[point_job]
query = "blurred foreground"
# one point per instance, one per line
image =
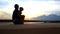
(42, 28)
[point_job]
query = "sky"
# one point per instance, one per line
(32, 8)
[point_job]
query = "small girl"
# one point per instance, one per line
(20, 11)
(21, 16)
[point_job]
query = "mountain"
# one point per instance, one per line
(51, 17)
(4, 15)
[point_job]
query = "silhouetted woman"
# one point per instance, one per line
(15, 14)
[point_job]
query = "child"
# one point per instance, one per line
(21, 16)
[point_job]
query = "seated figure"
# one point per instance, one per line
(21, 17)
(15, 18)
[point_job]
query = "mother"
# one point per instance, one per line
(15, 14)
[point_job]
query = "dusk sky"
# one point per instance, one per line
(32, 8)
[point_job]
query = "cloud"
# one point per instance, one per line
(56, 0)
(3, 3)
(4, 15)
(30, 6)
(45, 0)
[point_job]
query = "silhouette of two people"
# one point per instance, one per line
(17, 17)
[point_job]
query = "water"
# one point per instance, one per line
(24, 23)
(33, 22)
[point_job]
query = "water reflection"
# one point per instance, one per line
(24, 23)
(33, 22)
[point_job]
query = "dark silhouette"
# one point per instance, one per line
(17, 17)
(21, 17)
(15, 14)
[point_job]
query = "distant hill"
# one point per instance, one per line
(4, 15)
(51, 17)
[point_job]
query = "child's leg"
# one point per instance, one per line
(22, 19)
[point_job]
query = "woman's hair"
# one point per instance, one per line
(16, 6)
(21, 9)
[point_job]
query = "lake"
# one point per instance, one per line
(24, 23)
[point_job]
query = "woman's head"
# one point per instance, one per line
(16, 6)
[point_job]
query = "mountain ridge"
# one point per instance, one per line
(51, 17)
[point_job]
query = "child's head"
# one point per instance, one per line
(21, 9)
